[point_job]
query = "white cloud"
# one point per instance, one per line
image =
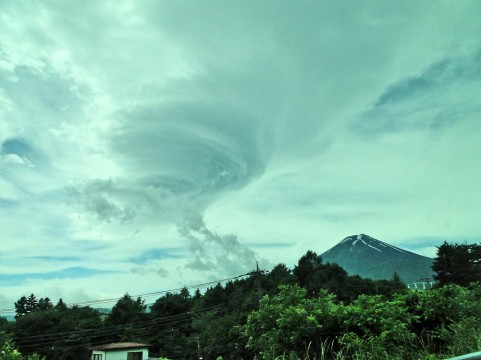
(294, 123)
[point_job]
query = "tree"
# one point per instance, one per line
(127, 310)
(9, 352)
(279, 275)
(197, 294)
(42, 327)
(60, 305)
(306, 266)
(171, 323)
(21, 307)
(291, 325)
(45, 304)
(32, 303)
(457, 264)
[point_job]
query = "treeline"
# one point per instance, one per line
(315, 311)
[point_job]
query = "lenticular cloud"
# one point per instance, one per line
(181, 157)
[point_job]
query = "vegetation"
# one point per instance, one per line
(9, 352)
(457, 264)
(315, 311)
(412, 325)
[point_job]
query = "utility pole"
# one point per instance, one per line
(198, 348)
(257, 275)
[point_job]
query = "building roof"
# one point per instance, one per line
(120, 346)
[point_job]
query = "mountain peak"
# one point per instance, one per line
(363, 240)
(353, 238)
(366, 256)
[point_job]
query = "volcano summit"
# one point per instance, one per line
(371, 258)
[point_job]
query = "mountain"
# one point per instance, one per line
(368, 257)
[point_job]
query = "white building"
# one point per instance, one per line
(121, 351)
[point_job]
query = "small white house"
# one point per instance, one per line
(121, 351)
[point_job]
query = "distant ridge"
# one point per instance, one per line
(371, 258)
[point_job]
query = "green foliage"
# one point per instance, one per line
(125, 313)
(410, 325)
(457, 264)
(315, 311)
(374, 325)
(61, 306)
(307, 268)
(290, 324)
(9, 352)
(41, 326)
(126, 310)
(28, 305)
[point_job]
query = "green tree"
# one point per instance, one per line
(171, 324)
(37, 331)
(290, 324)
(61, 306)
(9, 352)
(444, 309)
(279, 275)
(45, 304)
(457, 264)
(127, 310)
(377, 325)
(307, 265)
(32, 304)
(21, 306)
(397, 283)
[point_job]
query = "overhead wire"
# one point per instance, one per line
(143, 295)
(38, 342)
(45, 342)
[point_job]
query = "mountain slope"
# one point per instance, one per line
(368, 257)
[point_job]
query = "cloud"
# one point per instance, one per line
(67, 273)
(227, 255)
(134, 129)
(163, 273)
(159, 253)
(110, 202)
(442, 95)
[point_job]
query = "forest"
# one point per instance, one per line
(313, 311)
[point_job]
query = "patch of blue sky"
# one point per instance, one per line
(159, 253)
(67, 273)
(56, 258)
(16, 146)
(56, 227)
(5, 203)
(270, 245)
(427, 241)
(85, 245)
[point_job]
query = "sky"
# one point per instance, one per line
(148, 145)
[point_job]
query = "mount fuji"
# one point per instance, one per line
(371, 258)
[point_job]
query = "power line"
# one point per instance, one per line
(88, 337)
(144, 295)
(140, 323)
(45, 342)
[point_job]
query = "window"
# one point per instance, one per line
(97, 357)
(134, 355)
